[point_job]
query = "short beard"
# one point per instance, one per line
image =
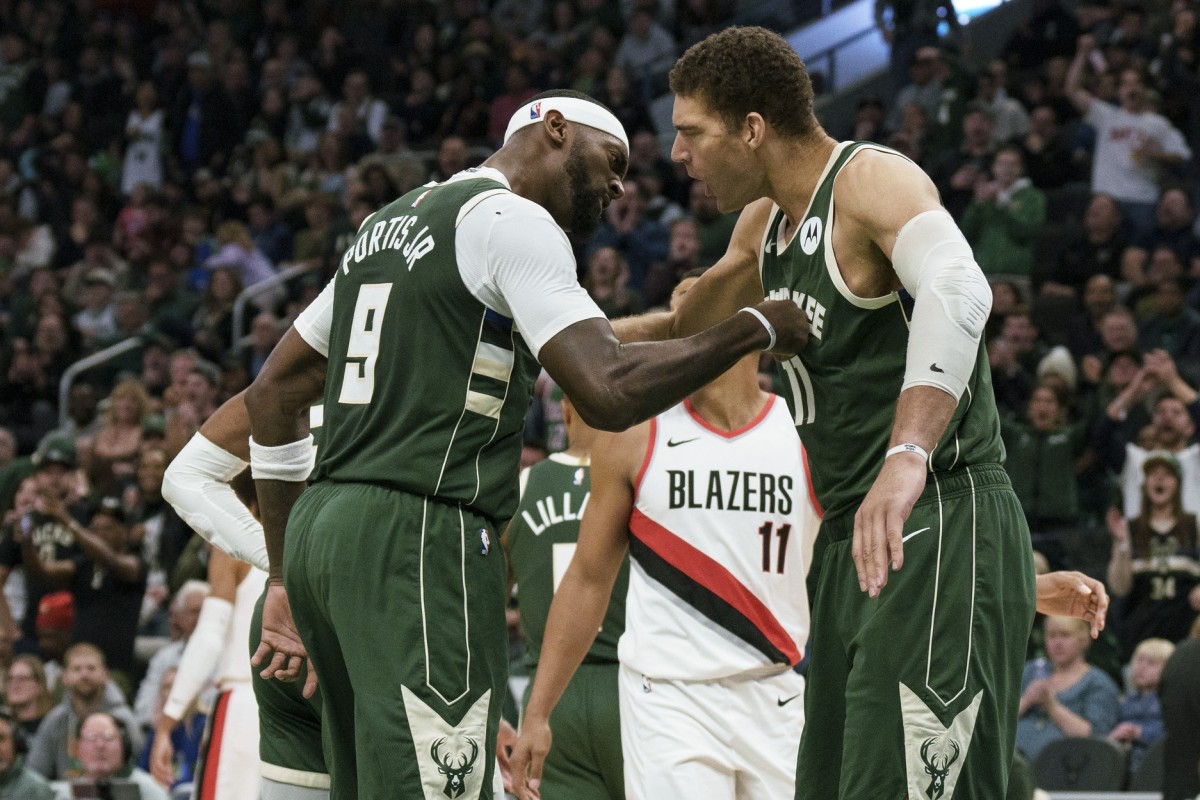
(585, 202)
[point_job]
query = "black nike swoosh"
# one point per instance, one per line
(936, 368)
(673, 443)
(783, 703)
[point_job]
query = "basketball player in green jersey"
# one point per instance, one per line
(433, 328)
(914, 678)
(585, 763)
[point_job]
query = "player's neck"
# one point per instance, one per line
(733, 400)
(583, 455)
(794, 168)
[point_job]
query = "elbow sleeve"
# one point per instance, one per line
(952, 302)
(196, 485)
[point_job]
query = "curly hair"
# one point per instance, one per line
(748, 69)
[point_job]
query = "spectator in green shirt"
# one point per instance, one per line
(1002, 223)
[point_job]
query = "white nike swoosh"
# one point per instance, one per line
(914, 533)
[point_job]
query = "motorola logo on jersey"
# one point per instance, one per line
(810, 235)
(730, 490)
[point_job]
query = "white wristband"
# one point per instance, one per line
(291, 462)
(908, 448)
(767, 325)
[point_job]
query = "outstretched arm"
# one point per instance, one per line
(1080, 97)
(615, 386)
(1073, 594)
(732, 283)
(581, 599)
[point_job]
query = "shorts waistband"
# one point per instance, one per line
(946, 485)
(454, 505)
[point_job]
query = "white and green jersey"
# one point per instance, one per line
(432, 326)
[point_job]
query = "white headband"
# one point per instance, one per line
(582, 111)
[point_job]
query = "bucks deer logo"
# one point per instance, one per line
(452, 762)
(937, 766)
(455, 767)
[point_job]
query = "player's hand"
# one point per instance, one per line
(1073, 594)
(506, 740)
(790, 324)
(525, 763)
(879, 522)
(281, 649)
(162, 757)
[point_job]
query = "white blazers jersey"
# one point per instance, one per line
(721, 537)
(235, 661)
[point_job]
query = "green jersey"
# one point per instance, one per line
(427, 387)
(541, 543)
(842, 389)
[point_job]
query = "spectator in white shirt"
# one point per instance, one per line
(1134, 145)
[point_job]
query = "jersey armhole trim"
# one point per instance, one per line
(831, 265)
(762, 243)
(637, 484)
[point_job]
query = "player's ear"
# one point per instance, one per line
(555, 125)
(754, 130)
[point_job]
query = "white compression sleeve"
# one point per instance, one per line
(201, 655)
(196, 484)
(953, 300)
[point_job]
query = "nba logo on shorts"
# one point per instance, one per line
(485, 542)
(535, 111)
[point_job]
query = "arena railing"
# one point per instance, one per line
(86, 363)
(263, 287)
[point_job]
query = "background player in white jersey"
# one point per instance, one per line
(712, 499)
(230, 766)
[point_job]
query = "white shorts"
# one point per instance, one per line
(711, 740)
(230, 770)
